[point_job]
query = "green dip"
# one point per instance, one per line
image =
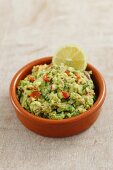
(56, 92)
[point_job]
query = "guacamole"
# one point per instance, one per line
(56, 92)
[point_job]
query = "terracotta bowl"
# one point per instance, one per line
(58, 128)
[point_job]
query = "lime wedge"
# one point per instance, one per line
(71, 56)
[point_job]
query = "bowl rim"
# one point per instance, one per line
(20, 109)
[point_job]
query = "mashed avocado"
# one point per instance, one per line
(56, 92)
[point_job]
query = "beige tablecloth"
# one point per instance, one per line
(30, 29)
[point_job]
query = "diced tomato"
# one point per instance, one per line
(45, 78)
(77, 75)
(31, 79)
(67, 72)
(35, 94)
(65, 94)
